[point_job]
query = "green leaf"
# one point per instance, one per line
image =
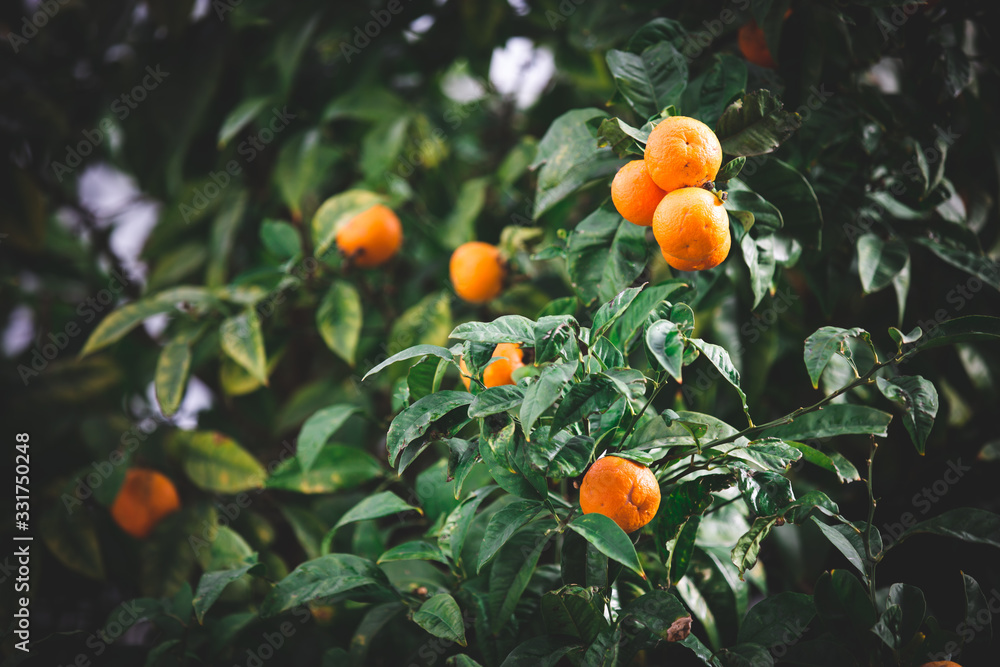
(504, 329)
(755, 124)
(759, 257)
(214, 462)
(823, 344)
(335, 468)
(240, 116)
(784, 186)
(880, 261)
(502, 450)
(609, 312)
(456, 526)
(172, 369)
(569, 158)
(338, 319)
(377, 617)
(745, 552)
(977, 607)
(778, 619)
(665, 343)
(903, 616)
(424, 377)
(303, 164)
(336, 212)
(543, 392)
(840, 541)
(416, 550)
(496, 399)
(72, 539)
(624, 331)
(592, 394)
(552, 334)
(608, 538)
(380, 147)
(375, 506)
(168, 556)
(502, 526)
(544, 651)
(281, 239)
(243, 341)
(512, 571)
(730, 170)
(441, 617)
(967, 524)
(719, 358)
(832, 461)
(122, 320)
(724, 80)
(211, 585)
(604, 255)
(766, 493)
(972, 263)
(841, 599)
(659, 611)
(918, 398)
(652, 80)
(429, 321)
(410, 353)
(970, 329)
(413, 422)
(324, 577)
(460, 226)
(461, 661)
(833, 420)
(763, 214)
(622, 138)
(571, 611)
(768, 453)
(317, 430)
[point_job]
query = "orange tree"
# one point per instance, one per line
(405, 455)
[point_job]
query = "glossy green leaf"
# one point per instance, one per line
(338, 319)
(622, 138)
(410, 353)
(323, 577)
(211, 585)
(719, 357)
(441, 616)
(841, 599)
(243, 341)
(572, 611)
(747, 548)
(608, 538)
(651, 80)
(281, 239)
(215, 462)
(833, 420)
(755, 125)
(413, 422)
(502, 526)
(541, 394)
(496, 399)
(778, 619)
(416, 550)
(171, 377)
(504, 329)
(512, 571)
(592, 394)
(823, 344)
(317, 430)
(918, 398)
(335, 468)
(880, 261)
(665, 343)
(240, 116)
(967, 524)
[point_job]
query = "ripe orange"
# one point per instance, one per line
(511, 357)
(941, 663)
(621, 490)
(144, 499)
(753, 46)
(635, 194)
(682, 153)
(370, 238)
(692, 228)
(477, 271)
(466, 380)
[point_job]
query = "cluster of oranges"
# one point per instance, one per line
(666, 190)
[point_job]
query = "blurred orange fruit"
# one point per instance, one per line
(635, 194)
(477, 271)
(146, 497)
(692, 229)
(621, 490)
(682, 153)
(511, 357)
(371, 238)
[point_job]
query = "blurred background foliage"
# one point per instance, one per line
(108, 198)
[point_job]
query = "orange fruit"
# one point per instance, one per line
(621, 490)
(941, 663)
(682, 153)
(753, 46)
(635, 194)
(477, 271)
(370, 238)
(466, 380)
(692, 229)
(144, 499)
(511, 357)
